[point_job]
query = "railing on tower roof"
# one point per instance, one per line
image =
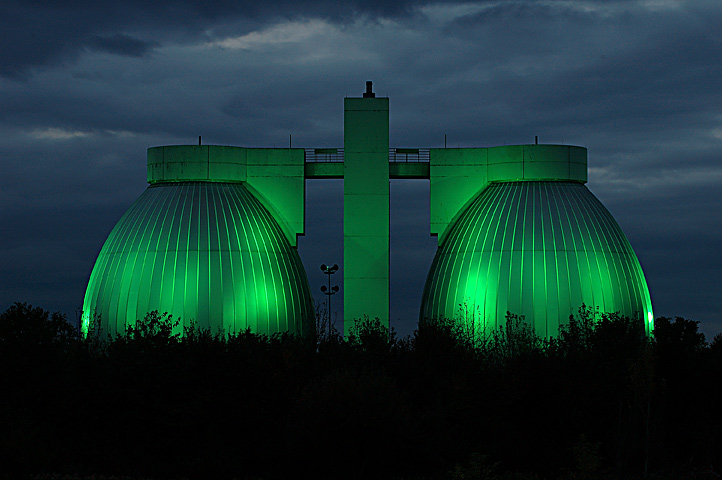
(396, 155)
(324, 155)
(408, 155)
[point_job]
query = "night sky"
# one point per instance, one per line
(87, 86)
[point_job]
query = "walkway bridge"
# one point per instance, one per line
(403, 163)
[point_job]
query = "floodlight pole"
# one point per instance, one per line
(329, 291)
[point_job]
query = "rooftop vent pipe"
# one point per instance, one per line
(369, 90)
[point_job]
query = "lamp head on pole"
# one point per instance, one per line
(329, 270)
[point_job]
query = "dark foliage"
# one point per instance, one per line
(600, 401)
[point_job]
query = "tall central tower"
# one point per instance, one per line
(366, 208)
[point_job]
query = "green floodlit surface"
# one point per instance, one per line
(366, 210)
(457, 174)
(537, 249)
(275, 175)
(205, 252)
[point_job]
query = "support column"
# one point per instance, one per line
(366, 208)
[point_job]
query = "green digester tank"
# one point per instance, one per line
(201, 245)
(527, 238)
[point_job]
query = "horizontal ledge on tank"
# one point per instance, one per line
(508, 163)
(217, 163)
(512, 163)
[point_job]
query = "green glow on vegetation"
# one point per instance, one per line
(537, 249)
(205, 252)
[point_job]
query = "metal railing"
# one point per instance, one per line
(396, 155)
(332, 155)
(408, 155)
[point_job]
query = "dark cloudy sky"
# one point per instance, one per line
(86, 86)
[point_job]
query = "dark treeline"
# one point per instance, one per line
(601, 401)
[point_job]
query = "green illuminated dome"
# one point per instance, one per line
(539, 249)
(202, 251)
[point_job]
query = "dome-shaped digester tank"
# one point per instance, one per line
(207, 252)
(539, 249)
